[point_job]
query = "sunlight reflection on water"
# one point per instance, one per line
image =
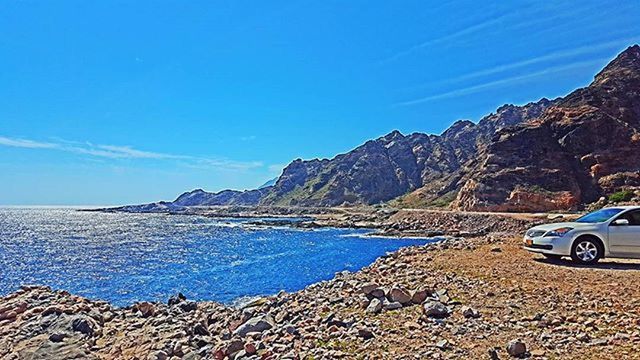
(124, 258)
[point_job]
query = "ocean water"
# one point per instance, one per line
(123, 258)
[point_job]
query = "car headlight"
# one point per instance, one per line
(560, 232)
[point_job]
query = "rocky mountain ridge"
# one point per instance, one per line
(546, 155)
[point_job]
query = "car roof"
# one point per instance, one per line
(626, 207)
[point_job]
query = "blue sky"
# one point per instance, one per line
(113, 102)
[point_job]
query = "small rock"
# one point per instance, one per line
(435, 309)
(419, 296)
(200, 329)
(368, 288)
(496, 249)
(84, 325)
(256, 324)
(146, 309)
(8, 315)
(57, 337)
(493, 354)
(442, 296)
(470, 312)
(516, 348)
(188, 306)
(291, 330)
(392, 306)
(377, 293)
(176, 299)
(375, 306)
(365, 334)
(400, 295)
(583, 337)
(363, 302)
(249, 348)
(234, 346)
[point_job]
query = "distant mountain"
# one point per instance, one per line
(200, 197)
(545, 155)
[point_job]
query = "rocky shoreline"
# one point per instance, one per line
(464, 297)
(382, 221)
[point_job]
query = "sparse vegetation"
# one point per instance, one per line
(538, 189)
(624, 195)
(444, 200)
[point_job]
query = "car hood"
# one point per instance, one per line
(574, 225)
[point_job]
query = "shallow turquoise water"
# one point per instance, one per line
(124, 258)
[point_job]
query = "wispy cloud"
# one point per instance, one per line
(552, 56)
(24, 143)
(127, 152)
(502, 82)
(447, 37)
(552, 14)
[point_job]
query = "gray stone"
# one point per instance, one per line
(375, 306)
(435, 309)
(470, 312)
(84, 325)
(442, 344)
(188, 306)
(256, 324)
(392, 306)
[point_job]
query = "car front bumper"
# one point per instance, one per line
(551, 245)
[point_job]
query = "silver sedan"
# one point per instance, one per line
(609, 232)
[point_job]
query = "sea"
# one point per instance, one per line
(124, 258)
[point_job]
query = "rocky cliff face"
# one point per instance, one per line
(394, 165)
(583, 147)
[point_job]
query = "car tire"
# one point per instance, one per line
(586, 250)
(553, 257)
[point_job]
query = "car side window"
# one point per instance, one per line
(632, 216)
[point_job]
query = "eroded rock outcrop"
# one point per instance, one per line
(583, 147)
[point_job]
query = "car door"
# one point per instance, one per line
(624, 240)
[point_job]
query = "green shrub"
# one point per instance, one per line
(619, 196)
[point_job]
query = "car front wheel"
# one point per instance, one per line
(586, 251)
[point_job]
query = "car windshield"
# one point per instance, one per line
(599, 216)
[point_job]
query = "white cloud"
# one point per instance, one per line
(552, 56)
(128, 152)
(502, 82)
(448, 37)
(24, 143)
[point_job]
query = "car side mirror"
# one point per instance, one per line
(621, 222)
